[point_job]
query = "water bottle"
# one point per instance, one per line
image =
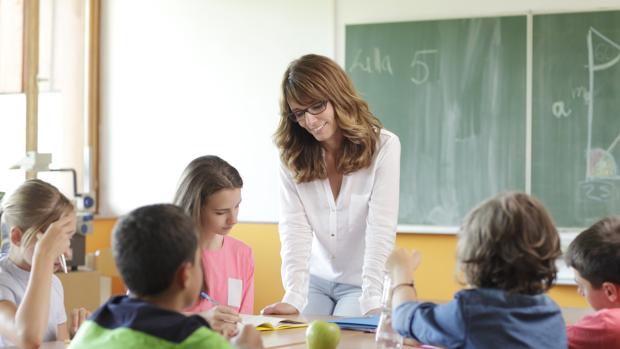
(386, 337)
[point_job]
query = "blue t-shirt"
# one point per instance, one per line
(484, 318)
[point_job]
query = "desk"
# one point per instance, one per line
(289, 338)
(296, 337)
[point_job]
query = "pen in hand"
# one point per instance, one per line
(63, 263)
(205, 295)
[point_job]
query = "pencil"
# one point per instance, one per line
(205, 295)
(63, 263)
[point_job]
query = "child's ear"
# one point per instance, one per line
(612, 291)
(184, 274)
(16, 236)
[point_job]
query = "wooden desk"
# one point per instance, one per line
(47, 345)
(296, 337)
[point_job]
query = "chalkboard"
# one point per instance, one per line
(454, 91)
(576, 115)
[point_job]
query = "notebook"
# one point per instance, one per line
(270, 323)
(365, 323)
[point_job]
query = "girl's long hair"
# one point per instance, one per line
(201, 178)
(32, 207)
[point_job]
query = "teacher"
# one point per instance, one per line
(340, 172)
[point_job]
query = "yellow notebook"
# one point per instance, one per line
(270, 323)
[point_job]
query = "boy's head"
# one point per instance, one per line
(509, 242)
(155, 249)
(595, 257)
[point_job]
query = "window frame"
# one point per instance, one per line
(30, 66)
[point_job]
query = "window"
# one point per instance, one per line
(12, 99)
(56, 109)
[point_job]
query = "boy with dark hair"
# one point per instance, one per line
(595, 257)
(156, 251)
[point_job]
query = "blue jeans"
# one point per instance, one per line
(332, 298)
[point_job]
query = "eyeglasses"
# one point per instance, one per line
(299, 116)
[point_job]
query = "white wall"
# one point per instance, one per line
(184, 78)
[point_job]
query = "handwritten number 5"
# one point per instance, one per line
(421, 71)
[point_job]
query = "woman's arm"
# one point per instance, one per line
(381, 223)
(296, 240)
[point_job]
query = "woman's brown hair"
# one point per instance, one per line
(314, 78)
(509, 242)
(32, 207)
(203, 177)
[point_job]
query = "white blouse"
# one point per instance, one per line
(346, 240)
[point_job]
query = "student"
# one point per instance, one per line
(210, 192)
(155, 250)
(507, 251)
(595, 257)
(339, 177)
(40, 222)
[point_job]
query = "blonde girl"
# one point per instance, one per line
(40, 222)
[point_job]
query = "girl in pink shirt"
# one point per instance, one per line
(210, 192)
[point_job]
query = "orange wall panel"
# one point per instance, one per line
(435, 279)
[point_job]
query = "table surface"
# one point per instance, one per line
(296, 337)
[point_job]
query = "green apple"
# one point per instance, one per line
(322, 335)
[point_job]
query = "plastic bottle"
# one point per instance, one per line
(386, 337)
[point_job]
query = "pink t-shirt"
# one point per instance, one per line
(229, 273)
(599, 330)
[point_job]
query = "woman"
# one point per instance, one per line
(339, 191)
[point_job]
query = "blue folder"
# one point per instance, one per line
(365, 323)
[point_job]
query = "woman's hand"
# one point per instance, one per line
(279, 309)
(248, 338)
(79, 315)
(223, 320)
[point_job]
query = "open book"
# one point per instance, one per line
(270, 323)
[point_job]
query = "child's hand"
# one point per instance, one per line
(223, 320)
(248, 338)
(401, 264)
(57, 238)
(79, 315)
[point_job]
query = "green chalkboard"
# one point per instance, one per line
(576, 115)
(454, 91)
